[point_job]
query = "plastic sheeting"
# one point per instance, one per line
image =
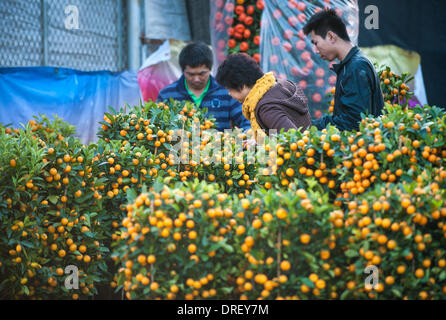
(157, 72)
(80, 98)
(284, 49)
(221, 18)
(289, 54)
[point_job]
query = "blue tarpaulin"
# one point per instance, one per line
(79, 98)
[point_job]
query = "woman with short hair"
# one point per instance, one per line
(268, 103)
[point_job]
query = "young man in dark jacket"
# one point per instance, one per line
(357, 86)
(267, 103)
(197, 85)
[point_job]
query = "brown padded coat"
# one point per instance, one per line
(283, 106)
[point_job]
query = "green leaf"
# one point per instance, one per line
(236, 175)
(310, 258)
(158, 186)
(228, 248)
(270, 242)
(366, 246)
(397, 293)
(406, 252)
(53, 199)
(351, 253)
(103, 267)
(27, 244)
(307, 282)
(89, 234)
(88, 221)
(227, 290)
(344, 294)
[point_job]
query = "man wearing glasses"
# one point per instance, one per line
(199, 86)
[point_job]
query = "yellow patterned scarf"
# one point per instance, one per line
(252, 99)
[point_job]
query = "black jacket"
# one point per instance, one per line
(358, 91)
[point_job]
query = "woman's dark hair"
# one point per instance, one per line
(237, 70)
(324, 21)
(196, 54)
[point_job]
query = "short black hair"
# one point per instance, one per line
(324, 21)
(196, 54)
(237, 70)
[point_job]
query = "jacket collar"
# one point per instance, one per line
(182, 88)
(338, 67)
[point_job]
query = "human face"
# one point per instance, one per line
(325, 47)
(240, 95)
(197, 78)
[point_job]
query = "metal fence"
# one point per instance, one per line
(80, 34)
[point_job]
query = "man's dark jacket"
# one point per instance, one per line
(358, 91)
